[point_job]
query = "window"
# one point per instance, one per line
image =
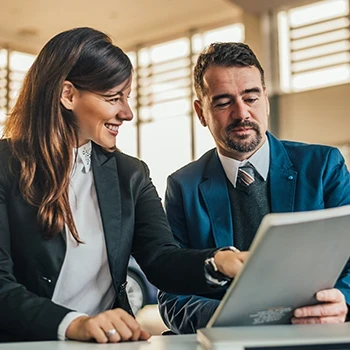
(13, 67)
(314, 45)
(165, 129)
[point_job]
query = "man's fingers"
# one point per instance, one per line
(316, 320)
(321, 310)
(330, 295)
(333, 305)
(332, 310)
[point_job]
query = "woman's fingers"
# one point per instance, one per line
(230, 263)
(109, 326)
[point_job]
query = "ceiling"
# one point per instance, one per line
(28, 24)
(255, 6)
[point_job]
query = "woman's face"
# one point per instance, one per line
(98, 115)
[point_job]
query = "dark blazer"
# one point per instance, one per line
(302, 177)
(134, 223)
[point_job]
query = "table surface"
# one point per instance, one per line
(169, 342)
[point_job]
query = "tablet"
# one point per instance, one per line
(277, 337)
(293, 255)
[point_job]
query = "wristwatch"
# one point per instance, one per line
(214, 276)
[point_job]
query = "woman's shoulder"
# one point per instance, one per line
(124, 160)
(129, 162)
(5, 151)
(126, 157)
(5, 155)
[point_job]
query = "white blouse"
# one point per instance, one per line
(84, 283)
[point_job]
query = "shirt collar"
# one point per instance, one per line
(84, 156)
(260, 161)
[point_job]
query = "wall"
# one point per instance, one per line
(316, 116)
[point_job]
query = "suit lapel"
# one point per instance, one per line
(282, 178)
(106, 180)
(216, 198)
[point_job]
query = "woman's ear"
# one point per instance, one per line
(68, 91)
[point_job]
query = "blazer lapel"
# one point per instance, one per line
(106, 179)
(214, 187)
(282, 178)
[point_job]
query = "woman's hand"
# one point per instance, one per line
(230, 263)
(110, 326)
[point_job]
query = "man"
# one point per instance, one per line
(220, 199)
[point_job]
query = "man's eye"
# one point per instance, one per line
(113, 100)
(222, 104)
(251, 100)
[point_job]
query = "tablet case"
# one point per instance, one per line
(293, 255)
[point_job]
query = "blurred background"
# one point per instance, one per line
(303, 45)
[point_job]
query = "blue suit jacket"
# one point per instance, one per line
(302, 177)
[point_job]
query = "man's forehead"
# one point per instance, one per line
(217, 71)
(223, 78)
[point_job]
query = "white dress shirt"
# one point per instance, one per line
(259, 159)
(84, 283)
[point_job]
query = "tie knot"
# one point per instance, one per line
(246, 174)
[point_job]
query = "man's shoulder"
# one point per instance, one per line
(307, 148)
(196, 167)
(304, 154)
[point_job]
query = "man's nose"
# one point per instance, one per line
(241, 110)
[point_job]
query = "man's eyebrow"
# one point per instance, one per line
(254, 89)
(221, 96)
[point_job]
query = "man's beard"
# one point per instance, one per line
(240, 145)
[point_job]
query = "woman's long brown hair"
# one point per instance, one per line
(42, 133)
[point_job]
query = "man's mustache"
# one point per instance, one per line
(242, 124)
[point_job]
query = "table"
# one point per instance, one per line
(277, 336)
(169, 342)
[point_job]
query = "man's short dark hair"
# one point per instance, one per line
(227, 54)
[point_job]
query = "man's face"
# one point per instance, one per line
(235, 108)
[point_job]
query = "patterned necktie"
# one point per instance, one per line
(246, 175)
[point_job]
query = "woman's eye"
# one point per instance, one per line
(113, 100)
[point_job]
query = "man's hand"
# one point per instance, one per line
(110, 326)
(230, 263)
(332, 310)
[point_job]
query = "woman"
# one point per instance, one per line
(73, 208)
